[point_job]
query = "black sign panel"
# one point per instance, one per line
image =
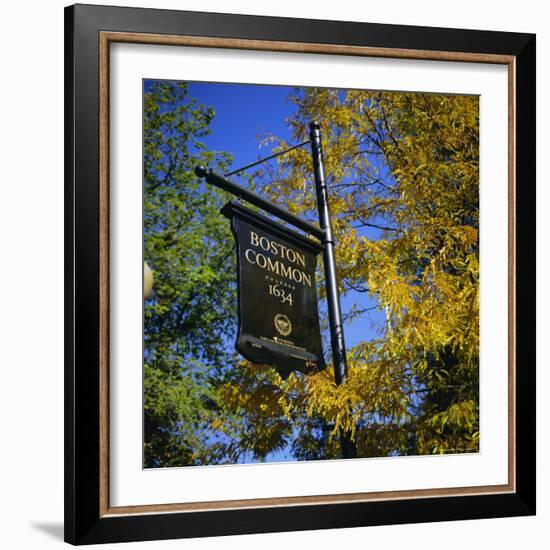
(278, 317)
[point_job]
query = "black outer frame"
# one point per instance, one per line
(83, 524)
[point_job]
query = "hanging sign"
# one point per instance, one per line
(278, 317)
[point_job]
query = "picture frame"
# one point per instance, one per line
(90, 31)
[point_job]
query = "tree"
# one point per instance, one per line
(403, 174)
(190, 319)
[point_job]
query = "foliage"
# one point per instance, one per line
(188, 245)
(403, 174)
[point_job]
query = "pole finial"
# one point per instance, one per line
(200, 171)
(314, 125)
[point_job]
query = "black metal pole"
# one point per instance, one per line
(257, 200)
(333, 296)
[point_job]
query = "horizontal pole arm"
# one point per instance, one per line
(257, 200)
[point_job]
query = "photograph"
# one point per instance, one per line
(238, 344)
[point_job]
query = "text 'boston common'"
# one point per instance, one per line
(277, 266)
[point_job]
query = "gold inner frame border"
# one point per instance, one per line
(105, 40)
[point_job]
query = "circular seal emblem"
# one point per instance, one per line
(282, 324)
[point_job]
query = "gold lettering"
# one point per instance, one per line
(263, 259)
(300, 276)
(291, 255)
(286, 271)
(273, 266)
(277, 249)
